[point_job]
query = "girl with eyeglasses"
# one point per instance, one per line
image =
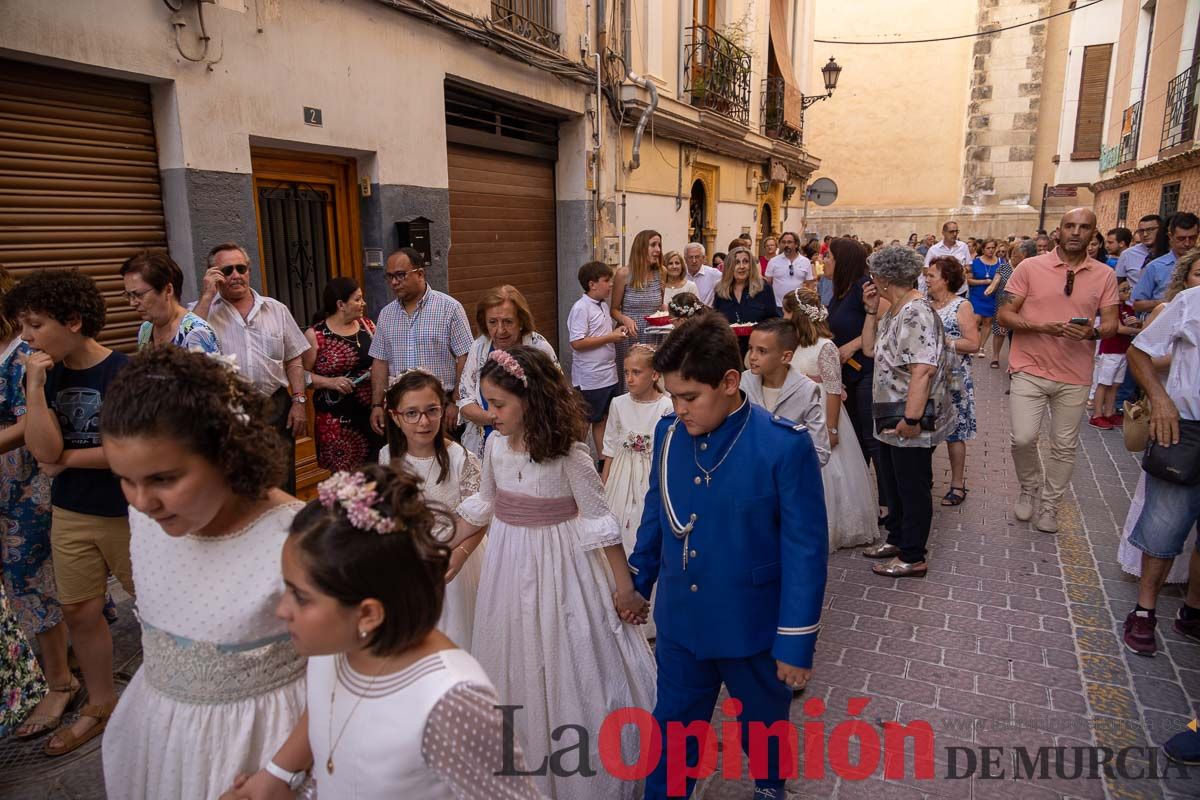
(449, 474)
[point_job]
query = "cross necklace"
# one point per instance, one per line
(708, 473)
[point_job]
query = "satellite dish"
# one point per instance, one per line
(822, 191)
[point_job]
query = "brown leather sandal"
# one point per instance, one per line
(901, 569)
(71, 742)
(40, 724)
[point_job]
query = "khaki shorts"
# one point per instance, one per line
(86, 549)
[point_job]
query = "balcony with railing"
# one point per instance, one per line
(1179, 119)
(717, 73)
(774, 120)
(531, 19)
(1131, 128)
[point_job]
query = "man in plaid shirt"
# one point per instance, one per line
(423, 328)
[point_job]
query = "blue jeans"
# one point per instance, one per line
(1168, 514)
(1128, 390)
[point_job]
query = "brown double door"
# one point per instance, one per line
(502, 230)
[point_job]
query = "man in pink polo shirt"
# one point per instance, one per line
(1052, 357)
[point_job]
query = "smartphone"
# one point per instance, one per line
(1080, 321)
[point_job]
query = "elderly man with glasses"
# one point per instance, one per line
(1050, 304)
(264, 337)
(423, 328)
(948, 246)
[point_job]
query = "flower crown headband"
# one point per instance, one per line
(393, 380)
(684, 311)
(510, 365)
(357, 498)
(816, 313)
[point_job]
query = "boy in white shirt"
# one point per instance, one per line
(593, 342)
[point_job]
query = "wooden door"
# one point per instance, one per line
(307, 233)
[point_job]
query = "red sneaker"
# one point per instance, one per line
(1117, 420)
(1139, 634)
(1102, 423)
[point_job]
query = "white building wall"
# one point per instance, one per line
(1097, 24)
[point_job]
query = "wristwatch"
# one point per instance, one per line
(294, 780)
(300, 398)
(833, 431)
(911, 421)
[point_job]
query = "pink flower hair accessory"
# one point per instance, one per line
(356, 497)
(510, 365)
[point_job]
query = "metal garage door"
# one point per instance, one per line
(79, 182)
(502, 230)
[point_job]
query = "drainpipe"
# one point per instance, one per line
(649, 86)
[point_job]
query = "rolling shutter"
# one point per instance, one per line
(79, 180)
(502, 230)
(1093, 96)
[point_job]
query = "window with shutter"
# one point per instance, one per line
(1093, 96)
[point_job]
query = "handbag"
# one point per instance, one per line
(1137, 425)
(1179, 463)
(889, 415)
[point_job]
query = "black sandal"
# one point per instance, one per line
(995, 365)
(955, 496)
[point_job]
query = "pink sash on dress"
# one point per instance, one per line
(526, 511)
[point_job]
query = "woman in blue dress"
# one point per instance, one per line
(983, 271)
(25, 540)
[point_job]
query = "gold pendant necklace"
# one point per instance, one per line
(332, 694)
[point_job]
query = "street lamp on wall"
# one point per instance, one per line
(830, 73)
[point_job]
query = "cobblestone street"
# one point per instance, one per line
(1012, 639)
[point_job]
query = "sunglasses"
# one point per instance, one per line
(228, 269)
(1070, 286)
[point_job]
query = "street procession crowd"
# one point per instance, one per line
(501, 538)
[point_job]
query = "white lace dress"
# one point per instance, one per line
(462, 481)
(221, 686)
(850, 500)
(546, 631)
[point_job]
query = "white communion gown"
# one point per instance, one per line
(221, 686)
(850, 502)
(462, 481)
(629, 442)
(546, 631)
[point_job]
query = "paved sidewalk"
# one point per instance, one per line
(1012, 640)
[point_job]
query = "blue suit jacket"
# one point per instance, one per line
(756, 567)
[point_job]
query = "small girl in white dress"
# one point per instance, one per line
(850, 501)
(449, 473)
(548, 623)
(221, 685)
(395, 709)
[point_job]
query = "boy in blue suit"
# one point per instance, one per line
(734, 533)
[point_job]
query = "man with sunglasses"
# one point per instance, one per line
(948, 246)
(264, 337)
(422, 329)
(790, 269)
(1050, 304)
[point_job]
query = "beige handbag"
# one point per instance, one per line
(1137, 425)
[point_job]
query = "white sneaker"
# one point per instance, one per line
(1023, 510)
(1047, 521)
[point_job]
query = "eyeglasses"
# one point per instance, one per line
(413, 415)
(398, 276)
(131, 296)
(1070, 287)
(228, 269)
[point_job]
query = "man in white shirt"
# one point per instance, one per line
(1171, 509)
(705, 277)
(949, 246)
(789, 270)
(262, 334)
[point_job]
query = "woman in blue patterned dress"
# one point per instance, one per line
(153, 286)
(637, 292)
(25, 543)
(944, 276)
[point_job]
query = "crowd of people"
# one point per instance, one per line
(500, 538)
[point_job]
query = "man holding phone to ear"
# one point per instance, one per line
(1050, 304)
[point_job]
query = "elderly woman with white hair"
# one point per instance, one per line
(910, 404)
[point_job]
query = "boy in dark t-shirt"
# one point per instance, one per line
(66, 377)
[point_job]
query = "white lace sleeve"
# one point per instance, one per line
(597, 527)
(468, 384)
(830, 365)
(470, 476)
(477, 509)
(463, 743)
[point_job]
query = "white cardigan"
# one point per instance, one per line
(468, 385)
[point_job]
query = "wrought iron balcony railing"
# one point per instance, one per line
(1179, 119)
(1131, 128)
(774, 123)
(532, 19)
(718, 74)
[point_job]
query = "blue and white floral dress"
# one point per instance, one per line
(962, 391)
